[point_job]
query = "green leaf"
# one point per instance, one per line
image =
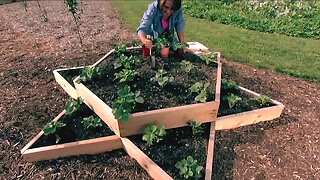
(139, 100)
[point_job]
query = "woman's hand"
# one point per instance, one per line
(148, 43)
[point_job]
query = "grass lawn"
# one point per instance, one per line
(290, 55)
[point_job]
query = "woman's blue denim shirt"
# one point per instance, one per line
(151, 22)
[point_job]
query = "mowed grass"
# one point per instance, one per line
(297, 57)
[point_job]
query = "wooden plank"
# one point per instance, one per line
(40, 133)
(251, 93)
(218, 82)
(169, 117)
(210, 154)
(248, 118)
(109, 53)
(66, 86)
(91, 146)
(103, 58)
(145, 162)
(98, 106)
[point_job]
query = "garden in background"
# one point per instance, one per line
(298, 57)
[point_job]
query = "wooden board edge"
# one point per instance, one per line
(103, 58)
(98, 106)
(68, 68)
(210, 152)
(109, 53)
(250, 117)
(68, 88)
(145, 162)
(169, 117)
(91, 146)
(33, 140)
(247, 91)
(170, 109)
(218, 83)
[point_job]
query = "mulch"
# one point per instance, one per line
(30, 49)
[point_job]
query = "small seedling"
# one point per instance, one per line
(52, 128)
(126, 75)
(161, 77)
(125, 103)
(233, 100)
(179, 46)
(73, 105)
(201, 89)
(125, 62)
(162, 42)
(186, 66)
(189, 168)
(262, 100)
(153, 134)
(209, 58)
(135, 44)
(120, 49)
(91, 122)
(197, 127)
(88, 73)
(229, 85)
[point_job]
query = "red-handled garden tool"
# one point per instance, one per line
(153, 59)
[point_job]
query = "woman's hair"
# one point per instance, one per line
(175, 5)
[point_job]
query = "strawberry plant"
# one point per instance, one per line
(125, 62)
(161, 77)
(201, 89)
(120, 49)
(186, 66)
(135, 44)
(229, 87)
(179, 46)
(197, 127)
(73, 105)
(233, 100)
(153, 133)
(91, 122)
(162, 42)
(52, 128)
(126, 75)
(189, 168)
(209, 58)
(262, 100)
(88, 73)
(125, 103)
(229, 84)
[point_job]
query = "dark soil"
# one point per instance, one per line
(70, 75)
(173, 94)
(286, 148)
(74, 130)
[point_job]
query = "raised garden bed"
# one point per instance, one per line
(171, 105)
(75, 139)
(163, 106)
